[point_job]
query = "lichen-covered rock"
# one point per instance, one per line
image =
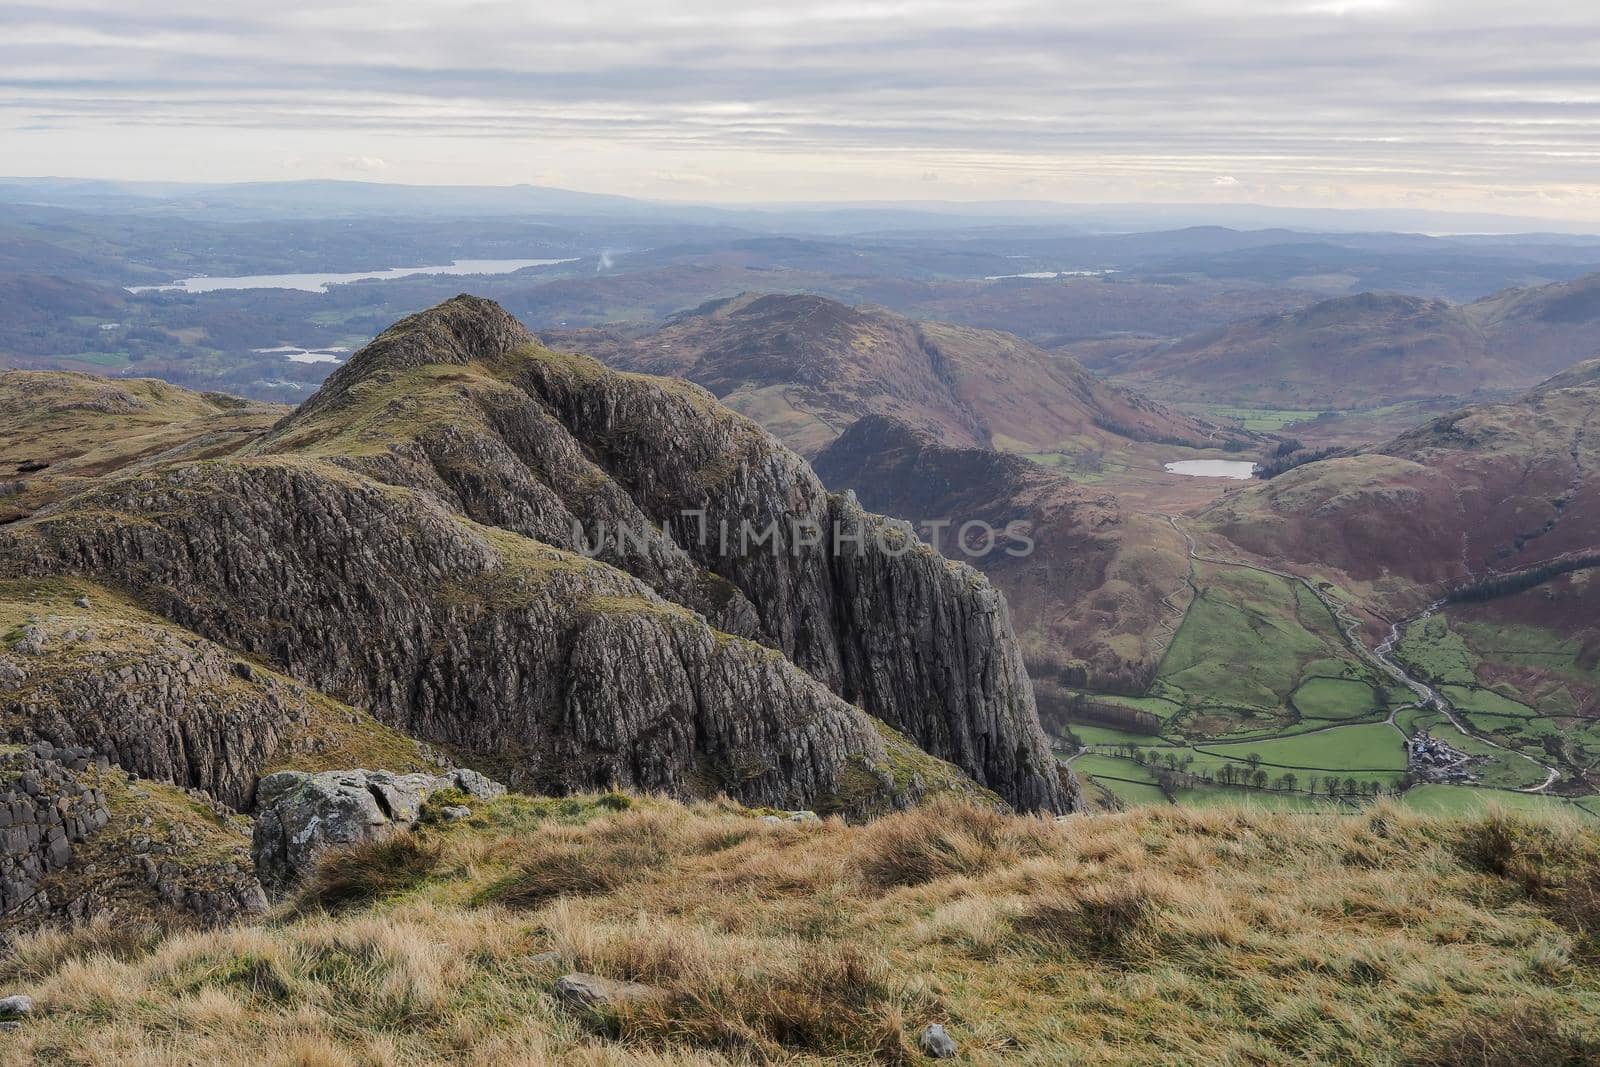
(15, 1006)
(936, 1043)
(591, 992)
(299, 814)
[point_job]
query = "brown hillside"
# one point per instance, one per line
(806, 367)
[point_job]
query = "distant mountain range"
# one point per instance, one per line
(1374, 349)
(327, 198)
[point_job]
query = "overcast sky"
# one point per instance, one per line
(1405, 103)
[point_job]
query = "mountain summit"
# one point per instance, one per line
(415, 545)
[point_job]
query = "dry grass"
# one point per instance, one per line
(1156, 936)
(372, 870)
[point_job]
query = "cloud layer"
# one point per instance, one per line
(1359, 102)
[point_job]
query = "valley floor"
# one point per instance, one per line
(1268, 695)
(1157, 936)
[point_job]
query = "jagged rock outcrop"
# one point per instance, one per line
(752, 539)
(403, 544)
(44, 811)
(161, 702)
(80, 840)
(298, 815)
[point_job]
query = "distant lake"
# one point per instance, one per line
(318, 283)
(1046, 274)
(1239, 470)
(295, 354)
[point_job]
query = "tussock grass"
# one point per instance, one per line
(947, 837)
(372, 870)
(1154, 936)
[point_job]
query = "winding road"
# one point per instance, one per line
(1381, 657)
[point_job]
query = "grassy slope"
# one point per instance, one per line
(74, 427)
(1159, 936)
(1247, 645)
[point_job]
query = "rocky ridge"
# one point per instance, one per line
(405, 557)
(565, 443)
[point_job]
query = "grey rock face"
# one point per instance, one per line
(16, 1005)
(44, 812)
(299, 814)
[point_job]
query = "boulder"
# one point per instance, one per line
(935, 1043)
(300, 814)
(797, 818)
(16, 1006)
(589, 992)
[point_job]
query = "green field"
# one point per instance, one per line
(1515, 731)
(1158, 706)
(1462, 800)
(1093, 734)
(1249, 640)
(1336, 698)
(1129, 782)
(1261, 420)
(1486, 701)
(1367, 748)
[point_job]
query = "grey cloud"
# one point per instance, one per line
(1395, 91)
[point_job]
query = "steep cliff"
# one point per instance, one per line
(461, 403)
(1084, 574)
(405, 554)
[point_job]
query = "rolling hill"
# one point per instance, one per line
(1491, 515)
(1486, 490)
(806, 367)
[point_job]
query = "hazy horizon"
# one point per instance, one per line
(1359, 104)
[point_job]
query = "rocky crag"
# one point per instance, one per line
(428, 553)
